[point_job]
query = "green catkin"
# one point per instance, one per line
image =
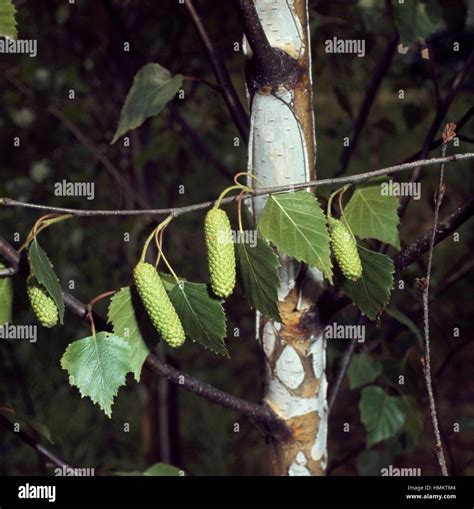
(220, 252)
(158, 305)
(345, 250)
(42, 303)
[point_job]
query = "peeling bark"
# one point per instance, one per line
(282, 151)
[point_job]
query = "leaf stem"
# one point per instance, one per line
(160, 227)
(231, 188)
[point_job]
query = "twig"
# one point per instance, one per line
(259, 413)
(231, 98)
(378, 75)
(177, 211)
(434, 73)
(196, 79)
(447, 226)
(451, 278)
(438, 142)
(40, 449)
(441, 111)
(450, 357)
(199, 142)
(343, 365)
(448, 135)
(332, 301)
(254, 32)
(82, 138)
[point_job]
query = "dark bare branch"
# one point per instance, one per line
(228, 91)
(259, 413)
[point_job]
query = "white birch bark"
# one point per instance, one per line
(282, 152)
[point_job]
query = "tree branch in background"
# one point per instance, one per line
(437, 143)
(378, 75)
(262, 51)
(82, 138)
(452, 277)
(448, 135)
(332, 301)
(40, 449)
(177, 211)
(441, 111)
(447, 226)
(258, 413)
(343, 365)
(199, 142)
(227, 89)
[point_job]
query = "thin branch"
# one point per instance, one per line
(256, 412)
(40, 449)
(439, 451)
(378, 75)
(438, 142)
(434, 73)
(228, 91)
(259, 413)
(332, 301)
(441, 111)
(208, 83)
(447, 226)
(451, 355)
(177, 211)
(451, 278)
(82, 138)
(262, 50)
(199, 142)
(343, 365)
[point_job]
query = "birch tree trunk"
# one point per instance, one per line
(282, 151)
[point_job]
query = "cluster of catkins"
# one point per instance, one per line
(221, 261)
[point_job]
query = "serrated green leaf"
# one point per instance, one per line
(8, 19)
(371, 292)
(153, 87)
(202, 316)
(381, 414)
(43, 270)
(6, 297)
(405, 320)
(258, 272)
(97, 366)
(415, 20)
(296, 225)
(363, 369)
(156, 470)
(371, 215)
(123, 317)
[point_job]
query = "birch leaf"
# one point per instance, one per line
(296, 225)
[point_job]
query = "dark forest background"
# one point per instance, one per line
(191, 143)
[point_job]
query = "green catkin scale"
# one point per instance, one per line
(345, 250)
(42, 303)
(220, 252)
(158, 304)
